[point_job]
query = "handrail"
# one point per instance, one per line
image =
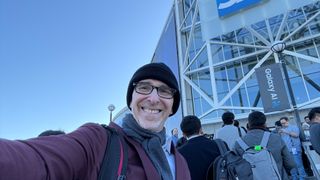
(306, 147)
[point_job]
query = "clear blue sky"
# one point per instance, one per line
(63, 62)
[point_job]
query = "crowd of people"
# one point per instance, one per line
(153, 96)
(284, 142)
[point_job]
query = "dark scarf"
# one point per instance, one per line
(151, 142)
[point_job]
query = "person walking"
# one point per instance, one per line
(199, 151)
(277, 147)
(174, 136)
(314, 116)
(229, 133)
(290, 135)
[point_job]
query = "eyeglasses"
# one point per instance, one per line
(146, 89)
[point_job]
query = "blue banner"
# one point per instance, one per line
(227, 7)
(272, 88)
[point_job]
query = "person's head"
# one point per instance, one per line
(190, 125)
(227, 118)
(284, 121)
(174, 132)
(153, 95)
(277, 124)
(236, 123)
(51, 132)
(314, 115)
(306, 119)
(256, 119)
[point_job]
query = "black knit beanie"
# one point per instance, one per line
(157, 71)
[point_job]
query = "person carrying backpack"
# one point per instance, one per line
(198, 151)
(152, 96)
(278, 150)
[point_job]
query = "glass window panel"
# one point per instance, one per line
(202, 80)
(311, 74)
(253, 92)
(192, 53)
(258, 42)
(295, 19)
(299, 92)
(234, 74)
(197, 106)
(315, 27)
(275, 23)
(205, 82)
(244, 36)
(311, 9)
(240, 111)
(197, 39)
(242, 96)
(309, 67)
(205, 105)
(285, 32)
(239, 98)
(193, 66)
(221, 81)
(295, 13)
(292, 67)
(245, 50)
(248, 64)
(195, 43)
(230, 52)
(229, 37)
(261, 28)
(211, 115)
(217, 53)
(202, 59)
(221, 95)
(313, 83)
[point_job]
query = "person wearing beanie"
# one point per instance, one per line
(152, 96)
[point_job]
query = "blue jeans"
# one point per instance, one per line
(299, 167)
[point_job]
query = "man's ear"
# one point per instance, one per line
(200, 131)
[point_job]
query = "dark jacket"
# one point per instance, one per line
(199, 153)
(275, 145)
(315, 136)
(77, 155)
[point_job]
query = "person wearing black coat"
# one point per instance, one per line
(198, 151)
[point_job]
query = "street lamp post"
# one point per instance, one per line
(278, 47)
(111, 108)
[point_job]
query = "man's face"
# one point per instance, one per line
(306, 119)
(284, 123)
(151, 111)
(316, 118)
(175, 132)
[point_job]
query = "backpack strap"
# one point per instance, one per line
(242, 144)
(239, 132)
(222, 146)
(115, 160)
(263, 143)
(265, 139)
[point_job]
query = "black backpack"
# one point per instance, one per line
(229, 165)
(115, 158)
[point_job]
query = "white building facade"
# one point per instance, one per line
(215, 47)
(222, 43)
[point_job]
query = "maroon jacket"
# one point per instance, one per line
(77, 156)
